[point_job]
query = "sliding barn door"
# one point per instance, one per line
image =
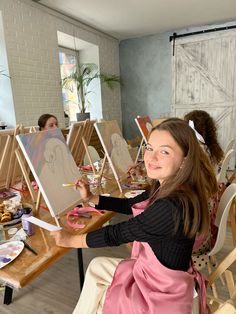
(204, 77)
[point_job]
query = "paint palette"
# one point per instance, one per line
(9, 251)
(133, 193)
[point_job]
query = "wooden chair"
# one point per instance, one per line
(223, 268)
(226, 308)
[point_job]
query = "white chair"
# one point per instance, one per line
(221, 222)
(222, 216)
(93, 155)
(221, 176)
(231, 145)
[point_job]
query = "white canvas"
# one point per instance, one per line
(114, 146)
(52, 164)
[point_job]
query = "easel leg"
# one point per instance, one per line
(8, 295)
(38, 201)
(139, 150)
(89, 157)
(102, 169)
(25, 174)
(81, 267)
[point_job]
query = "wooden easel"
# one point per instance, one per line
(99, 173)
(88, 154)
(4, 165)
(138, 121)
(13, 166)
(114, 126)
(139, 150)
(12, 157)
(25, 174)
(87, 133)
(78, 130)
(74, 138)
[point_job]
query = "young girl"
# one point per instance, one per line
(158, 278)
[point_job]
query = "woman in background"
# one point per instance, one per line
(47, 121)
(206, 127)
(159, 276)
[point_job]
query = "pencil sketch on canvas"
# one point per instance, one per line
(115, 147)
(52, 164)
(145, 126)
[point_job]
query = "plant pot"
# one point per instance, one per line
(81, 116)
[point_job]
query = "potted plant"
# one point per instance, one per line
(83, 77)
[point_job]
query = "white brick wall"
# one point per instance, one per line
(32, 50)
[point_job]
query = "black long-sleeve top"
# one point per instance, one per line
(160, 225)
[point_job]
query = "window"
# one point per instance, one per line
(67, 61)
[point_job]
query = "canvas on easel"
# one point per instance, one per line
(52, 165)
(145, 126)
(115, 147)
(10, 170)
(86, 137)
(74, 138)
(79, 130)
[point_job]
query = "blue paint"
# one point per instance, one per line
(4, 259)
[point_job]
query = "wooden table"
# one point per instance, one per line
(28, 266)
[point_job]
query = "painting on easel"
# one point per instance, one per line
(145, 126)
(52, 165)
(115, 147)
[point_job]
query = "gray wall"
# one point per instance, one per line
(145, 65)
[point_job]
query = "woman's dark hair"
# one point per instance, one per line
(194, 182)
(205, 125)
(43, 120)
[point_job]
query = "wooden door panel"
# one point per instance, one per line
(204, 77)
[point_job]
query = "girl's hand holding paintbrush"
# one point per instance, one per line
(83, 186)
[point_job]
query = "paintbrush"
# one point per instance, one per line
(28, 247)
(69, 184)
(75, 184)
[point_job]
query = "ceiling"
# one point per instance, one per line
(124, 19)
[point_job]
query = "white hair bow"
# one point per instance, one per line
(198, 135)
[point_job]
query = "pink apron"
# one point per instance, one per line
(142, 285)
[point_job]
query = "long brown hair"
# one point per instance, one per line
(193, 184)
(206, 126)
